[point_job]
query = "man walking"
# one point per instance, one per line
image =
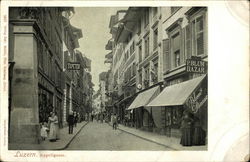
(70, 121)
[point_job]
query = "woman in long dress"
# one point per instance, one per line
(53, 133)
(186, 129)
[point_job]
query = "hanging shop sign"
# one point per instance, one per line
(197, 99)
(73, 66)
(196, 65)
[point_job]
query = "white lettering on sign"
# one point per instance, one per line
(196, 66)
(194, 103)
(73, 66)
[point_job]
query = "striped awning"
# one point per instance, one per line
(176, 94)
(144, 98)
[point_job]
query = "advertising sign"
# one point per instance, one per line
(196, 65)
(73, 66)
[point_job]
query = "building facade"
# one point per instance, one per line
(41, 43)
(166, 48)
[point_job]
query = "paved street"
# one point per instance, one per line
(101, 136)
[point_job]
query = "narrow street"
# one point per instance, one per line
(101, 136)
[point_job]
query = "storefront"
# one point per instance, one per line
(142, 116)
(188, 96)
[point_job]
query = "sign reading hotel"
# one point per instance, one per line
(73, 66)
(196, 65)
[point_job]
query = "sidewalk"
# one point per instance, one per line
(171, 142)
(61, 144)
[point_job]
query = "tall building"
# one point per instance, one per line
(41, 44)
(156, 50)
(71, 35)
(36, 47)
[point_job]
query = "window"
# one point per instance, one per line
(177, 59)
(198, 35)
(146, 42)
(50, 66)
(140, 53)
(155, 38)
(139, 26)
(176, 47)
(140, 76)
(154, 72)
(132, 48)
(133, 69)
(154, 11)
(146, 78)
(146, 17)
(174, 9)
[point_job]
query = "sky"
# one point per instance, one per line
(94, 22)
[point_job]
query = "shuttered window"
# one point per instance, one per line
(146, 42)
(188, 41)
(166, 55)
(155, 38)
(140, 53)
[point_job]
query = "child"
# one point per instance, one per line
(44, 130)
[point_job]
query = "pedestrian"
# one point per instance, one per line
(75, 118)
(199, 133)
(54, 128)
(70, 121)
(92, 117)
(186, 129)
(44, 131)
(114, 121)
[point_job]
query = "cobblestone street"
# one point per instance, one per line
(101, 136)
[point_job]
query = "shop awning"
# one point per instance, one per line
(176, 94)
(144, 98)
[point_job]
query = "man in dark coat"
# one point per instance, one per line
(71, 121)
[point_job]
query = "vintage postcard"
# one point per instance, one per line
(124, 81)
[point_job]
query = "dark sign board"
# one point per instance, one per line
(73, 66)
(198, 98)
(196, 65)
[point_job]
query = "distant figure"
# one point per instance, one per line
(71, 122)
(75, 118)
(114, 121)
(54, 128)
(44, 131)
(92, 117)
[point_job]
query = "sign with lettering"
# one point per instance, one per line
(196, 65)
(73, 66)
(197, 99)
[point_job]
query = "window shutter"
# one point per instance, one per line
(166, 55)
(188, 41)
(182, 57)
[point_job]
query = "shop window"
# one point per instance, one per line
(176, 116)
